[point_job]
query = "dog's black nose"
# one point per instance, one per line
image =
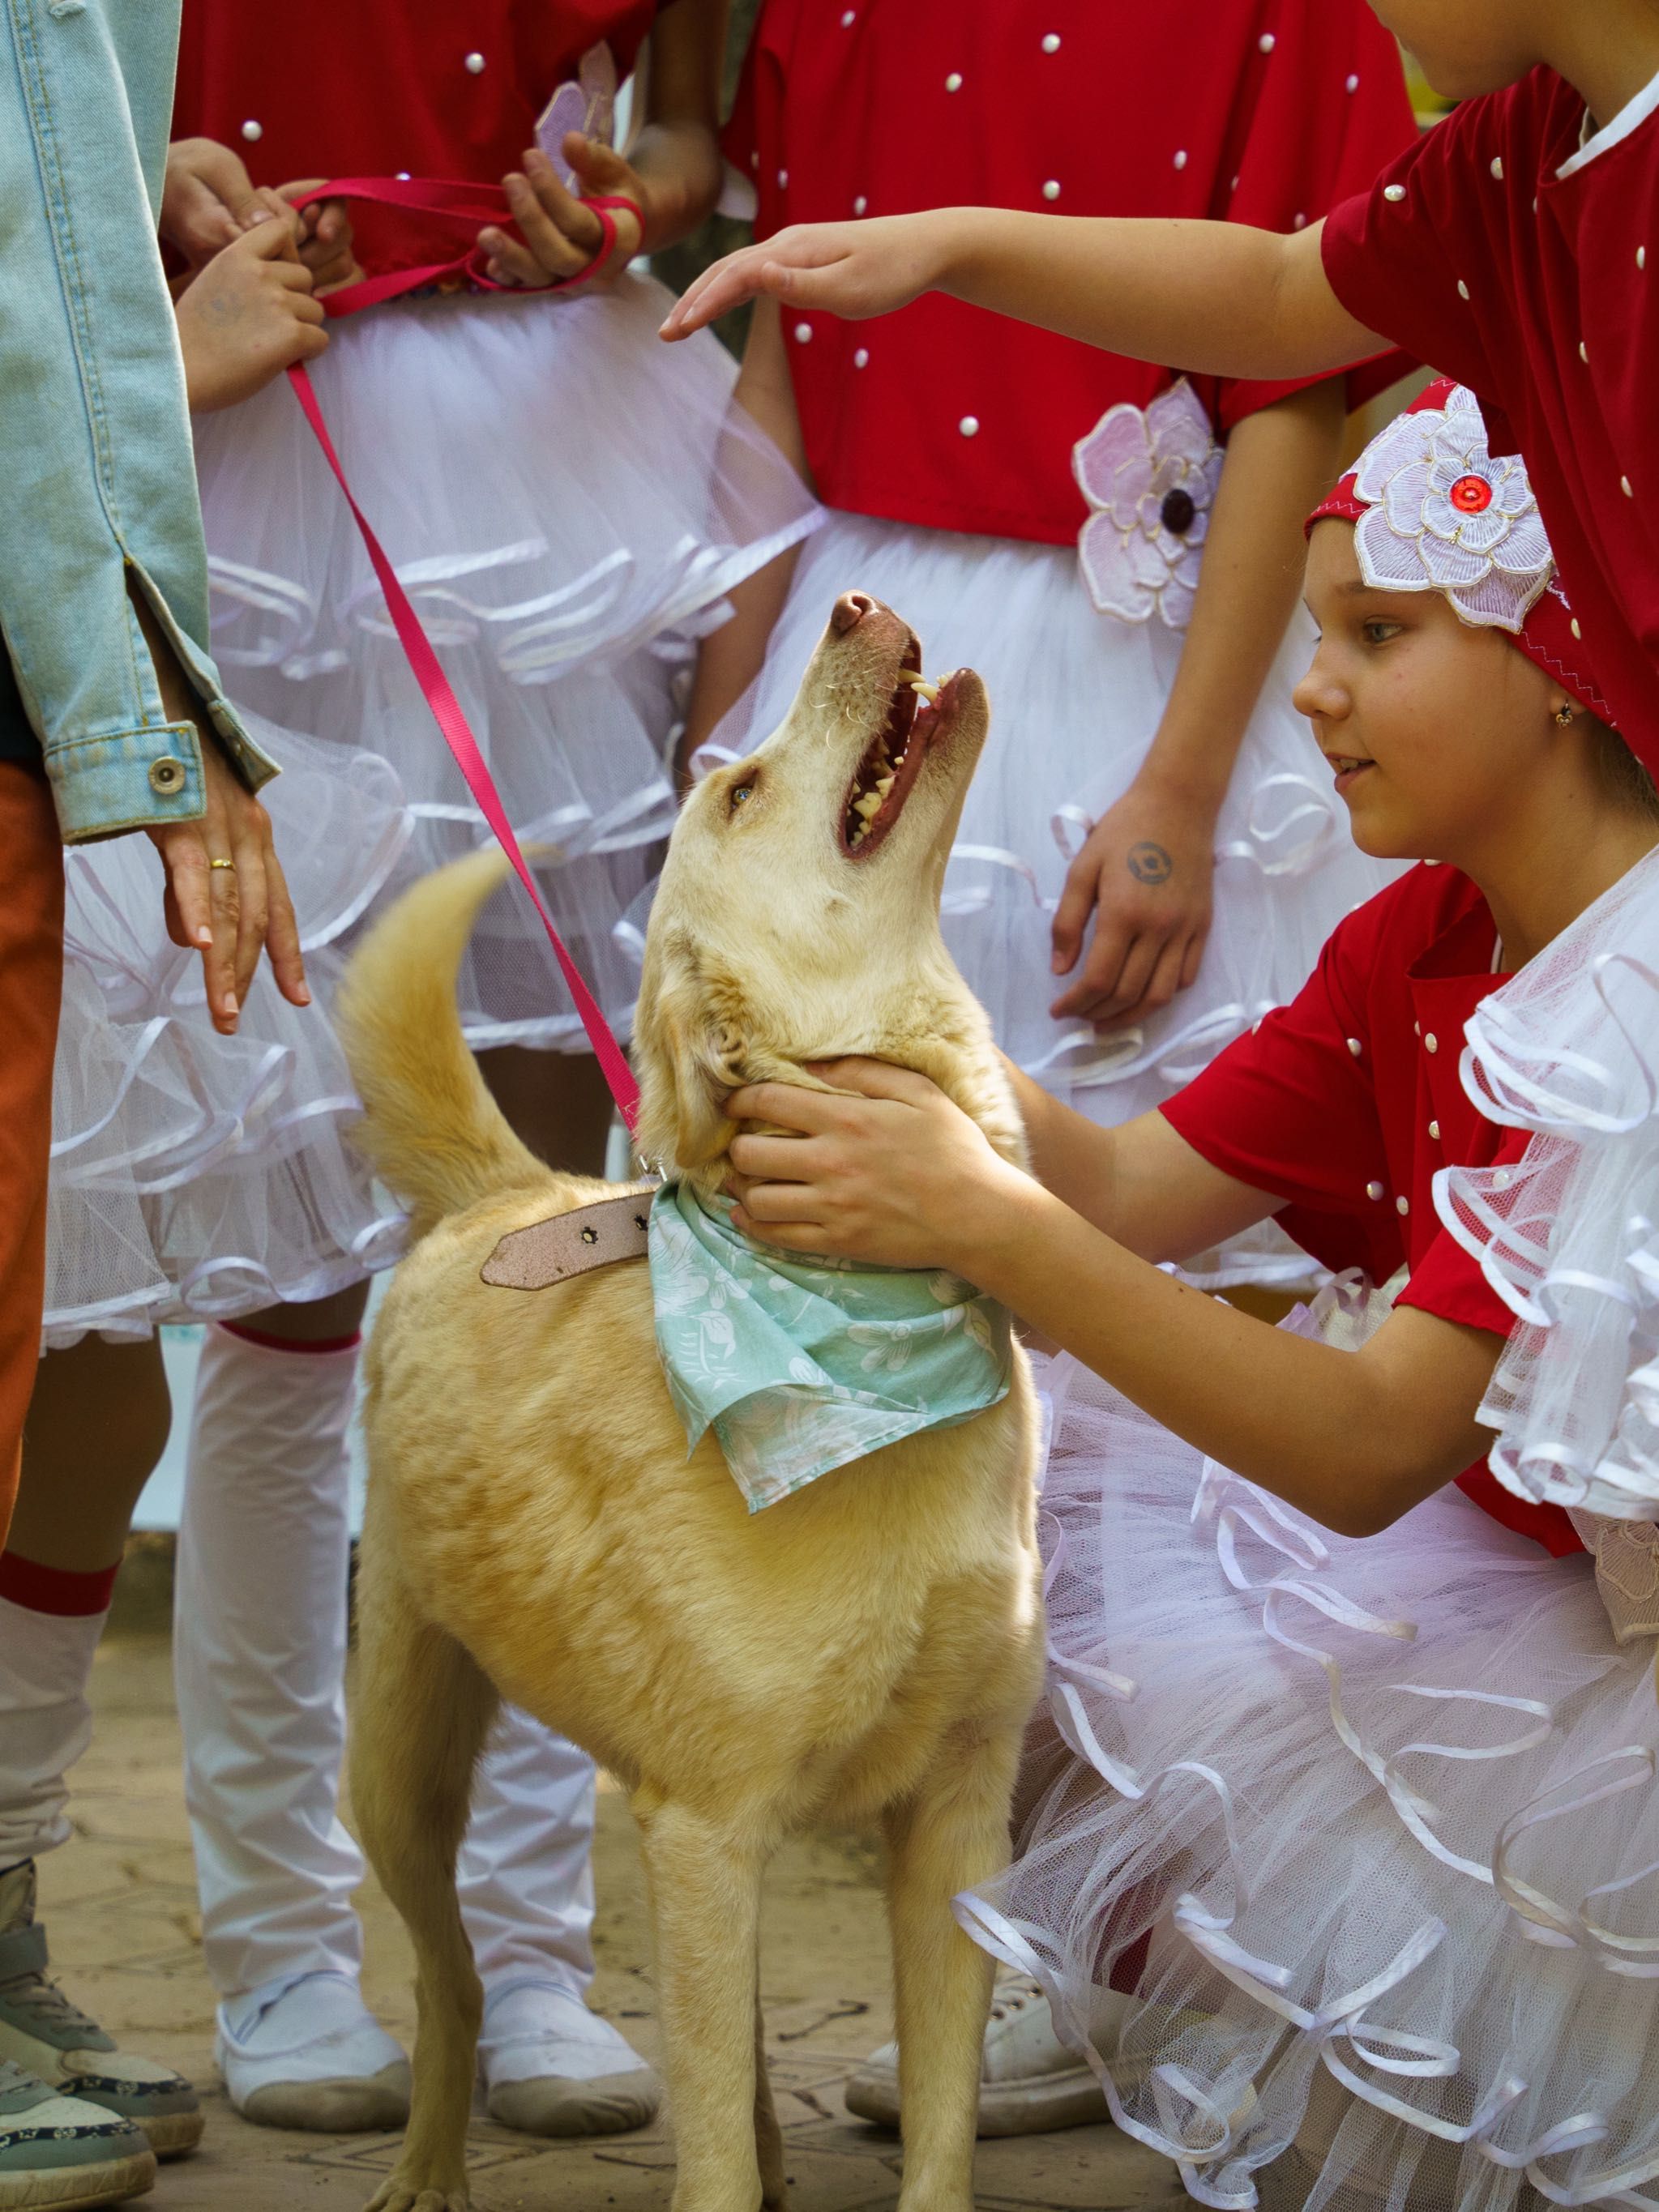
(849, 612)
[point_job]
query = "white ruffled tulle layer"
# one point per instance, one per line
(1569, 1050)
(194, 1175)
(567, 502)
(1076, 700)
(1385, 1811)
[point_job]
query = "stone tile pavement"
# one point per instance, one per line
(121, 1906)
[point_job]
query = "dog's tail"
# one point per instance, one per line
(431, 1128)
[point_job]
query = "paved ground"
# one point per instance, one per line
(122, 1892)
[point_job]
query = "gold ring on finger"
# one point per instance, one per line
(231, 865)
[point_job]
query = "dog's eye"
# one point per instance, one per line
(740, 796)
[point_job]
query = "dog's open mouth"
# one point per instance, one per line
(918, 716)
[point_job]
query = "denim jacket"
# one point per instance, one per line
(97, 476)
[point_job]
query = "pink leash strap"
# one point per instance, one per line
(458, 735)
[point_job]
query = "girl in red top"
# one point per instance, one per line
(1145, 865)
(1347, 1760)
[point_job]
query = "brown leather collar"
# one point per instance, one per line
(566, 1245)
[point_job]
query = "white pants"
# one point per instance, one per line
(260, 1653)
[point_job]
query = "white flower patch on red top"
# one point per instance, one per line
(1445, 516)
(1150, 478)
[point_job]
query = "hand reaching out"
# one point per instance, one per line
(251, 312)
(1146, 873)
(849, 268)
(561, 234)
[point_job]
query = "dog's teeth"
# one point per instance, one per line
(869, 805)
(927, 691)
(909, 676)
(884, 784)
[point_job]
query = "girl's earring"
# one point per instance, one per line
(1565, 717)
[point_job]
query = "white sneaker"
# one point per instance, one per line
(1029, 2081)
(550, 2067)
(313, 2057)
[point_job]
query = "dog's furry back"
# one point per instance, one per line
(432, 1130)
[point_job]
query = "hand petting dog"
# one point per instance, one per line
(883, 1169)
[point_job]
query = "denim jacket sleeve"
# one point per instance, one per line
(98, 480)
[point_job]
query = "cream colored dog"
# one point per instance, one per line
(869, 1648)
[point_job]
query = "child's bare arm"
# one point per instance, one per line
(1217, 298)
(1145, 872)
(895, 1174)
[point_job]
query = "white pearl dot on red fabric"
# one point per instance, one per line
(1577, 632)
(1462, 290)
(1395, 192)
(1434, 1131)
(953, 82)
(860, 204)
(251, 129)
(1501, 1178)
(1181, 159)
(1301, 223)
(1353, 84)
(1641, 257)
(968, 426)
(1583, 351)
(848, 20)
(861, 358)
(1266, 42)
(754, 160)
(475, 64)
(1374, 1191)
(1355, 1047)
(803, 333)
(1431, 1042)
(402, 176)
(1051, 44)
(1498, 167)
(783, 180)
(1051, 190)
(1403, 1206)
(1627, 487)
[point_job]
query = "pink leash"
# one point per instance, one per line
(439, 697)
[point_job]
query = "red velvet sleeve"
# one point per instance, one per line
(1290, 1108)
(1397, 254)
(1329, 111)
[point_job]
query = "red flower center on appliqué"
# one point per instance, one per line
(1471, 494)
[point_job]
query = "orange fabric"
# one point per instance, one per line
(31, 981)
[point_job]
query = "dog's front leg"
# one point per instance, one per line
(950, 1836)
(705, 1880)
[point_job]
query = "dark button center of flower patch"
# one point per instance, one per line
(1179, 511)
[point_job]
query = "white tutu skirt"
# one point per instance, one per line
(1384, 1814)
(194, 1175)
(567, 501)
(1076, 700)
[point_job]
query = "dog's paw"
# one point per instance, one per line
(404, 2194)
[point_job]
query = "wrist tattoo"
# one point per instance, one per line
(1150, 864)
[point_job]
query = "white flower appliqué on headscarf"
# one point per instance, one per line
(1150, 479)
(1444, 516)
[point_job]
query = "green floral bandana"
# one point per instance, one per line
(800, 1364)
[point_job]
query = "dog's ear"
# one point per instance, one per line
(689, 1040)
